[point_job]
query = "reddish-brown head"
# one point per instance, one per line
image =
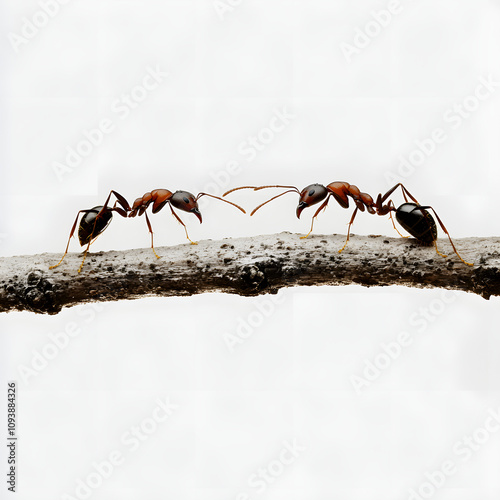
(187, 202)
(311, 195)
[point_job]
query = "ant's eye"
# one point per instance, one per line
(311, 192)
(185, 200)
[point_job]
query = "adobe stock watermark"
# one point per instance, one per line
(266, 476)
(364, 36)
(121, 108)
(31, 27)
(392, 350)
(57, 343)
(462, 451)
(223, 7)
(246, 327)
(453, 118)
(253, 145)
(249, 149)
(131, 441)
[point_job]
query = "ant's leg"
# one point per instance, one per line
(119, 210)
(180, 222)
(403, 189)
(438, 252)
(70, 236)
(349, 229)
(435, 241)
(394, 225)
(151, 231)
(121, 200)
(393, 208)
(325, 203)
(84, 255)
(409, 194)
(381, 199)
(449, 237)
(105, 206)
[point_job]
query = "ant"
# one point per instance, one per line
(94, 222)
(181, 200)
(413, 217)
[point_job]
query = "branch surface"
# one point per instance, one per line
(248, 267)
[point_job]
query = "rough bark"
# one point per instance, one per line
(246, 266)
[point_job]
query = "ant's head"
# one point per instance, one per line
(311, 195)
(187, 202)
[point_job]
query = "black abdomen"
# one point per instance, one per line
(90, 228)
(418, 222)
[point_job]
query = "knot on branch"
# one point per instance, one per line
(253, 277)
(486, 281)
(35, 292)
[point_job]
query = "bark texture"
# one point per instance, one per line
(248, 267)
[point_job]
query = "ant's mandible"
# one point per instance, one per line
(181, 200)
(413, 217)
(94, 222)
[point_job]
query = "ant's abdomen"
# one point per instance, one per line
(91, 227)
(417, 221)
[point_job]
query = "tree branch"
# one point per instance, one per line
(248, 267)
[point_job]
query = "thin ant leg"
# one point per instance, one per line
(324, 204)
(121, 200)
(438, 252)
(70, 236)
(403, 189)
(393, 209)
(122, 211)
(85, 255)
(447, 233)
(395, 227)
(151, 231)
(182, 223)
(435, 241)
(349, 229)
(119, 210)
(408, 193)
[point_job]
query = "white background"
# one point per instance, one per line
(291, 378)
